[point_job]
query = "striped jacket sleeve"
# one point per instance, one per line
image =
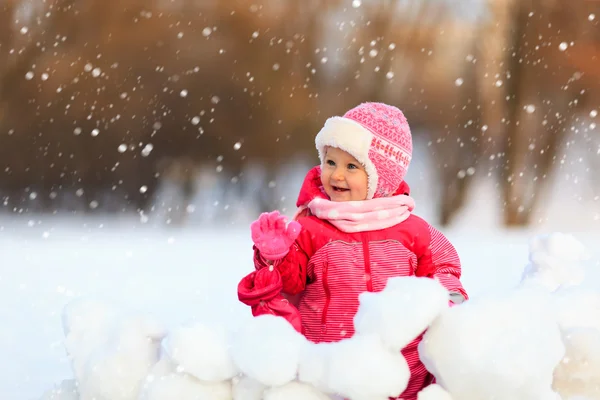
(440, 261)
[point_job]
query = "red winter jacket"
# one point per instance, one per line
(329, 269)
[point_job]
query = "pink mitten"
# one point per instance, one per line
(270, 235)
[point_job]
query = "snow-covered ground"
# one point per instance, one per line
(176, 274)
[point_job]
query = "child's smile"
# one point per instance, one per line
(339, 189)
(343, 177)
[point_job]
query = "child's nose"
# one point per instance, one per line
(338, 174)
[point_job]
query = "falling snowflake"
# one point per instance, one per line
(147, 150)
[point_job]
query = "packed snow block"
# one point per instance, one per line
(578, 374)
(267, 348)
(577, 307)
(117, 369)
(294, 391)
(555, 260)
(246, 388)
(500, 347)
(434, 392)
(202, 350)
(314, 364)
(87, 323)
(402, 311)
(87, 312)
(182, 386)
(363, 368)
(163, 367)
(66, 390)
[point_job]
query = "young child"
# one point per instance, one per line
(354, 230)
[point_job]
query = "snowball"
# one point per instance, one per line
(501, 347)
(117, 369)
(66, 390)
(161, 369)
(433, 392)
(402, 311)
(202, 350)
(87, 313)
(267, 348)
(577, 307)
(185, 387)
(246, 388)
(361, 367)
(314, 364)
(294, 391)
(86, 324)
(555, 260)
(579, 372)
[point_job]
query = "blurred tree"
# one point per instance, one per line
(101, 100)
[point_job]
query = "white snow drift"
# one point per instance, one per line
(539, 340)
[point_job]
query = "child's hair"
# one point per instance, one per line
(379, 137)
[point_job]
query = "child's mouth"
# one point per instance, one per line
(339, 189)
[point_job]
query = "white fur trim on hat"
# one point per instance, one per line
(353, 138)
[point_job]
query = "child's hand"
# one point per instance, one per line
(270, 235)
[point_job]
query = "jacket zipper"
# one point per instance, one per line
(367, 260)
(327, 298)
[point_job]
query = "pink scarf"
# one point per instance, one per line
(360, 216)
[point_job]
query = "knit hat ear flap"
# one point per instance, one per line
(379, 137)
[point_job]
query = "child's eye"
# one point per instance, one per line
(331, 163)
(352, 166)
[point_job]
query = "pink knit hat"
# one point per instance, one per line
(378, 136)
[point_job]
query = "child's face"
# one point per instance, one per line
(343, 177)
